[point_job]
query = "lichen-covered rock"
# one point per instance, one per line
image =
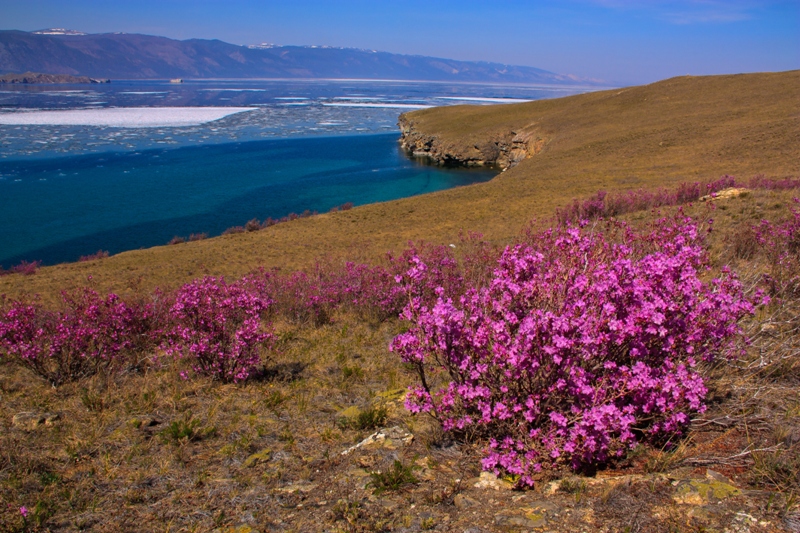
(487, 480)
(244, 528)
(391, 438)
(31, 420)
(510, 521)
(703, 491)
(257, 458)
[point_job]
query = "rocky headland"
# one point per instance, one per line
(504, 149)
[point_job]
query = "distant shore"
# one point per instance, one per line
(39, 78)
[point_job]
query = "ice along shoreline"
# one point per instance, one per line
(122, 117)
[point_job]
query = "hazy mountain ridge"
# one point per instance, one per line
(136, 56)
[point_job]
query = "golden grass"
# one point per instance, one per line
(681, 129)
(267, 453)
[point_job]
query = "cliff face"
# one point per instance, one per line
(501, 149)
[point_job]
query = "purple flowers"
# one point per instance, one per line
(86, 335)
(577, 348)
(218, 326)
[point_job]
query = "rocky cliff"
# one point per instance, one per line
(503, 149)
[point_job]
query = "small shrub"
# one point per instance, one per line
(218, 326)
(198, 237)
(92, 400)
(252, 225)
(371, 418)
(24, 267)
(176, 240)
(234, 230)
(183, 430)
(577, 349)
(395, 478)
(274, 399)
(355, 372)
(87, 335)
(100, 254)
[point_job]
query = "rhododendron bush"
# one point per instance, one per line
(578, 346)
(87, 335)
(218, 326)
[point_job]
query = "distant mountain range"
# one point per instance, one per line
(134, 56)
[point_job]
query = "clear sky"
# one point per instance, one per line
(621, 41)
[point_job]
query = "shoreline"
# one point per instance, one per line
(352, 184)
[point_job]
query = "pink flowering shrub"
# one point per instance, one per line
(99, 254)
(87, 335)
(305, 297)
(780, 242)
(218, 326)
(576, 349)
(24, 267)
(603, 205)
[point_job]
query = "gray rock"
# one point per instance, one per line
(528, 520)
(462, 502)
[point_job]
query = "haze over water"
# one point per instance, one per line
(71, 190)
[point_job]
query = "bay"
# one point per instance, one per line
(58, 209)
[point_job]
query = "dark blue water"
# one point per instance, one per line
(59, 208)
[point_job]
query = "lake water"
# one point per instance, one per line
(110, 179)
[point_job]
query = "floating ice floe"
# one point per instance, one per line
(121, 117)
(365, 104)
(484, 99)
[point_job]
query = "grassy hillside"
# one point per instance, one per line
(317, 439)
(681, 129)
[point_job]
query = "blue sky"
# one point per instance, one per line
(622, 41)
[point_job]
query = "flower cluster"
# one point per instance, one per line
(24, 267)
(577, 347)
(780, 242)
(218, 326)
(88, 334)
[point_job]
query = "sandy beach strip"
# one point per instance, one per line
(121, 117)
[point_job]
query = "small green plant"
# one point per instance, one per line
(185, 430)
(370, 418)
(573, 485)
(92, 400)
(663, 460)
(426, 524)
(397, 476)
(349, 511)
(286, 436)
(352, 372)
(274, 399)
(49, 478)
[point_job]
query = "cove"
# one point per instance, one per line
(57, 209)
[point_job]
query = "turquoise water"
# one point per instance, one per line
(59, 208)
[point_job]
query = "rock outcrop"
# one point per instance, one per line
(504, 150)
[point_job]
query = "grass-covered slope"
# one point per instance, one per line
(122, 415)
(677, 130)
